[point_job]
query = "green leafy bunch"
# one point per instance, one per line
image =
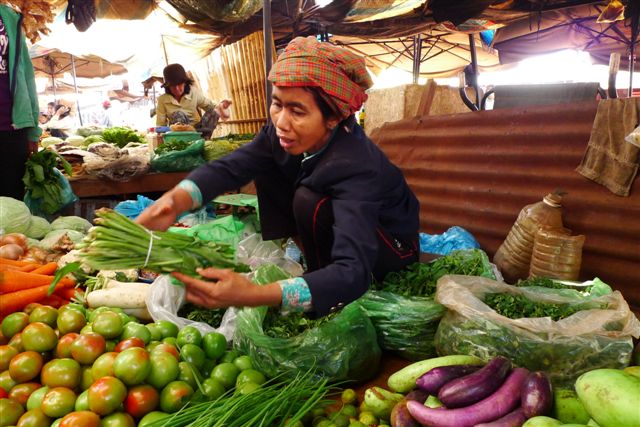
(42, 182)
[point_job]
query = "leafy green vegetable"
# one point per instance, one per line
(216, 149)
(293, 324)
(42, 182)
(173, 145)
(212, 317)
(38, 227)
(519, 306)
(14, 215)
(121, 136)
(420, 279)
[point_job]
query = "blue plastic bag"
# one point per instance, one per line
(65, 197)
(132, 208)
(452, 239)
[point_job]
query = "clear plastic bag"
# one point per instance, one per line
(404, 325)
(592, 338)
(165, 299)
(343, 348)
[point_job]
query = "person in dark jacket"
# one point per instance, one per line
(19, 130)
(319, 179)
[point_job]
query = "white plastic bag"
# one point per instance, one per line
(255, 252)
(165, 299)
(634, 137)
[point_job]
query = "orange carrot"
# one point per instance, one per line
(47, 269)
(16, 301)
(12, 281)
(13, 262)
(67, 293)
(29, 268)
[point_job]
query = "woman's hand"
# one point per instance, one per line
(163, 213)
(228, 289)
(223, 109)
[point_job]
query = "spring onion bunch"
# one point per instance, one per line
(277, 403)
(117, 243)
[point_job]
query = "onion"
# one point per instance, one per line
(16, 239)
(11, 251)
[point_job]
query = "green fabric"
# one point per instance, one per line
(25, 108)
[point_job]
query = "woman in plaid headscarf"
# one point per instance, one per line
(319, 179)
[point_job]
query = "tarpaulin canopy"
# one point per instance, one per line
(54, 63)
(574, 28)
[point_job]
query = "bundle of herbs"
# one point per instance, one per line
(212, 317)
(116, 243)
(420, 279)
(277, 325)
(519, 306)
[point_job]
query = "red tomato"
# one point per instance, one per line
(80, 418)
(87, 347)
(61, 373)
(128, 343)
(141, 400)
(21, 392)
(106, 395)
(63, 349)
(3, 393)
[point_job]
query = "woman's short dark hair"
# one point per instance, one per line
(187, 89)
(65, 114)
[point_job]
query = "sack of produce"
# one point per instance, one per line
(402, 307)
(563, 332)
(340, 346)
(166, 301)
(174, 158)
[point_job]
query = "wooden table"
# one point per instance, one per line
(86, 186)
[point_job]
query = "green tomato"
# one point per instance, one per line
(164, 369)
(106, 395)
(167, 328)
(243, 362)
(118, 419)
(25, 366)
(212, 388)
(193, 354)
(103, 366)
(188, 373)
(14, 323)
(214, 344)
(229, 356)
(61, 373)
(58, 402)
(174, 396)
(132, 366)
(39, 337)
(35, 399)
(189, 335)
(108, 324)
(10, 412)
(6, 354)
(34, 418)
(82, 402)
(137, 330)
(154, 330)
(45, 314)
(152, 417)
(70, 320)
(250, 376)
(226, 373)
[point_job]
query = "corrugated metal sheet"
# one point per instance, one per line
(477, 170)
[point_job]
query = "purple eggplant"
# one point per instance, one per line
(499, 404)
(472, 388)
(433, 380)
(512, 419)
(536, 397)
(400, 416)
(417, 395)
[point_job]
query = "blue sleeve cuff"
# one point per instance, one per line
(296, 296)
(194, 192)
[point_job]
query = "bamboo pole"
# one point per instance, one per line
(229, 76)
(248, 84)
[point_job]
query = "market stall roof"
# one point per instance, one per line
(54, 63)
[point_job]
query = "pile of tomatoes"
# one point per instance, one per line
(72, 367)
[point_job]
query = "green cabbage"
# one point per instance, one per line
(75, 140)
(38, 227)
(71, 223)
(54, 236)
(51, 140)
(14, 215)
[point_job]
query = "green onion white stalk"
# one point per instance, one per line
(116, 242)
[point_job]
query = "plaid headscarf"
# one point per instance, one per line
(340, 73)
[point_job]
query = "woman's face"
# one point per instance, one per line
(299, 123)
(177, 90)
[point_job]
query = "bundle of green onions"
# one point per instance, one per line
(116, 243)
(275, 404)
